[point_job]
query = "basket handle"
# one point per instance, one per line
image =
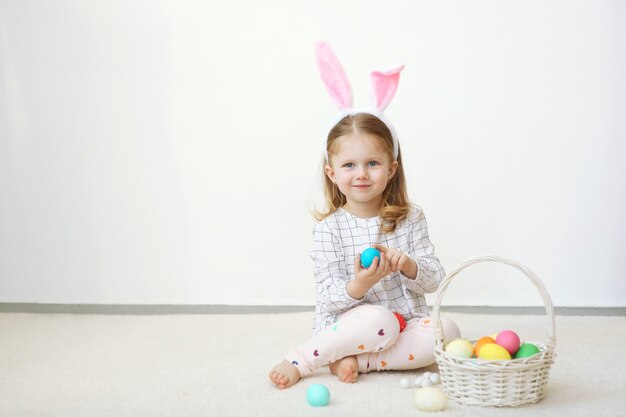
(438, 330)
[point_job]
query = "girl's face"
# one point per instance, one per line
(361, 169)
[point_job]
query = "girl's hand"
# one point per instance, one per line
(365, 278)
(399, 261)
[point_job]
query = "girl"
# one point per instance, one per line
(356, 327)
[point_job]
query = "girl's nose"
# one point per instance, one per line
(362, 173)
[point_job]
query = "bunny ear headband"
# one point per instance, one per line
(383, 85)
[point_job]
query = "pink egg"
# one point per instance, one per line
(509, 340)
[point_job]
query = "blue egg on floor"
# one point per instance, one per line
(318, 395)
(368, 255)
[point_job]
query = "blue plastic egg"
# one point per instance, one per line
(368, 255)
(318, 395)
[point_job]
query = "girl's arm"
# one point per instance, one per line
(430, 273)
(331, 274)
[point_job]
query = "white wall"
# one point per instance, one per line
(168, 152)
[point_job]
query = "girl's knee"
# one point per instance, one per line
(370, 315)
(379, 320)
(426, 325)
(385, 318)
(450, 329)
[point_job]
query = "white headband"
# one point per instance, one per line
(383, 85)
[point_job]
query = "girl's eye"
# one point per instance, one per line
(373, 163)
(348, 165)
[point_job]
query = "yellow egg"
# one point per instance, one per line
(460, 348)
(493, 352)
(430, 399)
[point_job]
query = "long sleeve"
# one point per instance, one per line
(330, 271)
(430, 273)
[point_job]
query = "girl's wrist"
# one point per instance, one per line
(356, 290)
(411, 270)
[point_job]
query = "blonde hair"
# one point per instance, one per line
(395, 204)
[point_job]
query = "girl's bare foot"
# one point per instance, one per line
(346, 369)
(284, 375)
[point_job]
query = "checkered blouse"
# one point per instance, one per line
(336, 241)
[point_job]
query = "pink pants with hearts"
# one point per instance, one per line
(372, 333)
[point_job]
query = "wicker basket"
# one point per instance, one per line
(498, 383)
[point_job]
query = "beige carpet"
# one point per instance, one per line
(217, 365)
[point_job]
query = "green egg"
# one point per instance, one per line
(527, 350)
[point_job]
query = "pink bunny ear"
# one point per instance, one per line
(383, 85)
(333, 76)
